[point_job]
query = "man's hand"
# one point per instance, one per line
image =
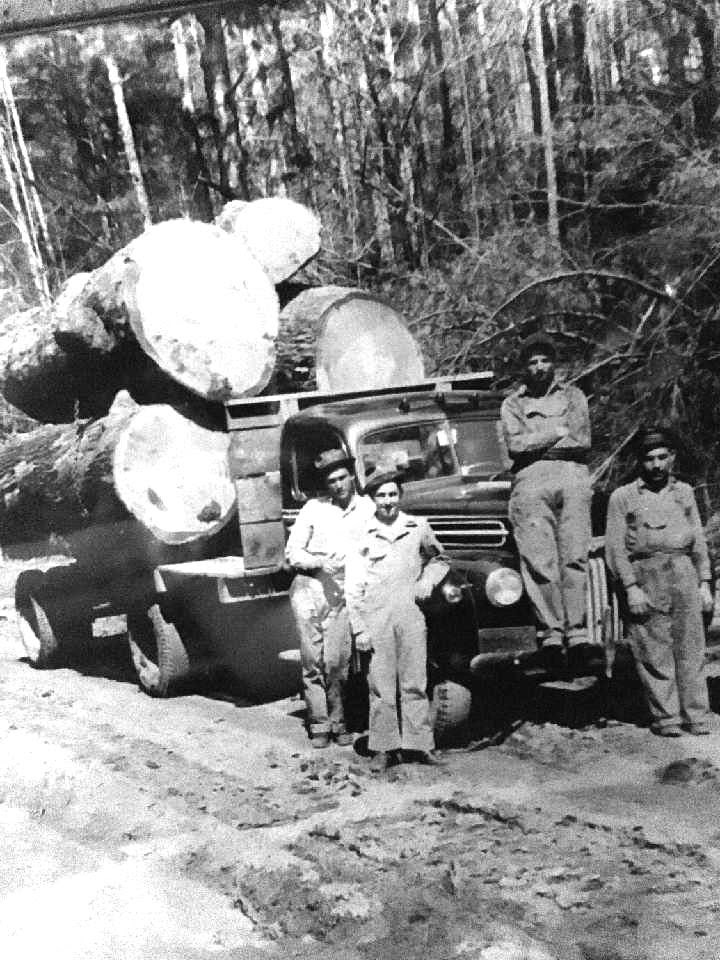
(363, 644)
(706, 597)
(451, 592)
(638, 601)
(332, 565)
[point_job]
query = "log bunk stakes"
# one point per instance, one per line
(126, 373)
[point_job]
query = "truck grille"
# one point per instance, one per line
(459, 531)
(454, 531)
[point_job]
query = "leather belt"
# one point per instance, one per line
(648, 555)
(565, 456)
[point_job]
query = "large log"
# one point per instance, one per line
(145, 464)
(355, 340)
(281, 234)
(184, 303)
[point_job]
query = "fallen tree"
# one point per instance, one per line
(184, 303)
(354, 340)
(147, 464)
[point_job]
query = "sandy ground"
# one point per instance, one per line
(197, 827)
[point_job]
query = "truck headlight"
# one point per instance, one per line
(503, 587)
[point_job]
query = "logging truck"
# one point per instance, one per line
(229, 615)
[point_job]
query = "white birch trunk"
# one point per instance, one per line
(128, 138)
(547, 131)
(35, 263)
(26, 166)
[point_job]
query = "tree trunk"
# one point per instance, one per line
(547, 131)
(358, 342)
(23, 221)
(328, 70)
(232, 160)
(281, 234)
(128, 138)
(186, 295)
(16, 131)
(146, 463)
(196, 164)
(301, 157)
(448, 134)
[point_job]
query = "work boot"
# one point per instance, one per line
(585, 659)
(427, 758)
(381, 761)
(320, 740)
(698, 729)
(670, 730)
(553, 659)
(343, 737)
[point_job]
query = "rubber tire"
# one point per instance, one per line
(36, 632)
(53, 611)
(450, 710)
(171, 664)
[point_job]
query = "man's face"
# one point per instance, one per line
(340, 485)
(539, 369)
(657, 466)
(387, 502)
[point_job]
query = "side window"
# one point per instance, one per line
(422, 450)
(305, 451)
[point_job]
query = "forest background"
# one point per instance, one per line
(490, 166)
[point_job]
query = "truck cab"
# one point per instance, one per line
(444, 434)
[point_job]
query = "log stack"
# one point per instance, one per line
(125, 374)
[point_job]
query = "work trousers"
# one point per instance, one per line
(321, 620)
(399, 664)
(550, 513)
(669, 644)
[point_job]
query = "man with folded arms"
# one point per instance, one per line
(547, 433)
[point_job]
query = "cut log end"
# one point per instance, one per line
(203, 309)
(281, 234)
(359, 341)
(173, 476)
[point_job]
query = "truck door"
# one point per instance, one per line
(301, 446)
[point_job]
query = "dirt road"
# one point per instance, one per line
(197, 828)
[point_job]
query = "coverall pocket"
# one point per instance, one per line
(655, 577)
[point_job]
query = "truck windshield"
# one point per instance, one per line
(479, 447)
(441, 448)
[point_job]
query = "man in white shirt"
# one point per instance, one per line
(326, 530)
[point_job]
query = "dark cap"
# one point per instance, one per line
(386, 473)
(538, 343)
(330, 460)
(650, 438)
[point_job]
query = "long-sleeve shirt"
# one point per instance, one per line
(324, 530)
(531, 425)
(642, 522)
(394, 564)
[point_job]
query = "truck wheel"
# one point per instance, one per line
(54, 624)
(36, 632)
(158, 652)
(450, 710)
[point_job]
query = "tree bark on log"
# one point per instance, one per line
(184, 303)
(65, 479)
(358, 341)
(281, 234)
